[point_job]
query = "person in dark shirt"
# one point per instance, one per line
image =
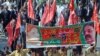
(6, 16)
(1, 13)
(78, 11)
(89, 12)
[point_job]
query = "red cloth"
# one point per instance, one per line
(30, 10)
(73, 19)
(17, 28)
(45, 14)
(9, 29)
(49, 13)
(71, 5)
(96, 20)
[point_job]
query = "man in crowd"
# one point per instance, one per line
(79, 11)
(63, 9)
(66, 13)
(5, 16)
(89, 12)
(91, 51)
(19, 51)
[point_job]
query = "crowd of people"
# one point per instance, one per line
(47, 51)
(9, 11)
(53, 51)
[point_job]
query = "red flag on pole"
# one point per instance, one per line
(30, 10)
(71, 5)
(44, 14)
(51, 12)
(9, 29)
(73, 19)
(95, 15)
(97, 27)
(95, 19)
(17, 28)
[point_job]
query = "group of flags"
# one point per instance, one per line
(13, 32)
(73, 19)
(47, 17)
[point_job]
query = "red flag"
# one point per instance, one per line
(51, 12)
(30, 10)
(61, 21)
(73, 19)
(96, 20)
(71, 5)
(45, 14)
(97, 27)
(18, 25)
(95, 15)
(16, 33)
(9, 29)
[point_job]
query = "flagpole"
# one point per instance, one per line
(21, 3)
(31, 19)
(26, 31)
(49, 12)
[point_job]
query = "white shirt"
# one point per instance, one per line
(59, 9)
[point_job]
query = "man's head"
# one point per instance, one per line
(89, 33)
(63, 1)
(80, 4)
(18, 47)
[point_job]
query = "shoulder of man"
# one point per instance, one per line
(12, 53)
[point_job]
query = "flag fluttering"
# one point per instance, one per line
(9, 29)
(49, 13)
(30, 11)
(17, 28)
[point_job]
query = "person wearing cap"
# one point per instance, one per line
(19, 51)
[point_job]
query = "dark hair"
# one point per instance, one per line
(75, 50)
